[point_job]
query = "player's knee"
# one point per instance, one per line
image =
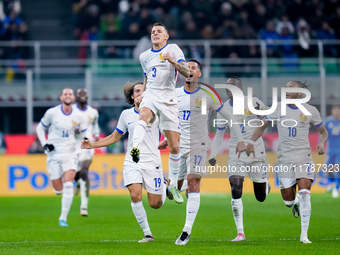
(174, 149)
(236, 191)
(194, 185)
(83, 174)
(135, 197)
(156, 204)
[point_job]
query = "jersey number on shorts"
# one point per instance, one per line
(292, 131)
(154, 72)
(198, 159)
(158, 182)
(187, 113)
(65, 133)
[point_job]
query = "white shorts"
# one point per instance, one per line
(152, 180)
(84, 155)
(168, 113)
(254, 167)
(193, 161)
(57, 165)
(302, 167)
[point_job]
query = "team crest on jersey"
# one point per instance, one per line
(303, 118)
(247, 112)
(74, 123)
(198, 102)
(162, 58)
(90, 119)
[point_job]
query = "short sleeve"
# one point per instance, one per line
(142, 63)
(46, 120)
(177, 53)
(316, 118)
(122, 126)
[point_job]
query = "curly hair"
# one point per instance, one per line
(128, 91)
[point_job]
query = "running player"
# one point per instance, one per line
(258, 174)
(160, 65)
(85, 156)
(148, 171)
(61, 123)
(333, 149)
(294, 154)
(195, 140)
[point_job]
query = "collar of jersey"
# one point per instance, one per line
(159, 49)
(61, 107)
(81, 109)
(230, 103)
(187, 92)
(291, 107)
(134, 109)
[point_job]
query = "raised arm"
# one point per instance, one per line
(320, 147)
(110, 139)
(182, 66)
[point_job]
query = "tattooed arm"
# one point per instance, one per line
(182, 67)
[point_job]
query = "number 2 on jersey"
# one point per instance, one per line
(154, 72)
(242, 129)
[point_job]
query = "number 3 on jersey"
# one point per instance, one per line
(154, 72)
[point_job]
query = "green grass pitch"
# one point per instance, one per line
(29, 225)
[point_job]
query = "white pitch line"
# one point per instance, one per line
(75, 241)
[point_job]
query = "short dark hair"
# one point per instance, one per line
(160, 24)
(128, 91)
(301, 84)
(198, 63)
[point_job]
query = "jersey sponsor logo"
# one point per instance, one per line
(130, 122)
(74, 123)
(162, 58)
(90, 119)
(198, 102)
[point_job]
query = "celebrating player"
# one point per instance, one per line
(61, 123)
(294, 154)
(195, 139)
(148, 171)
(160, 65)
(85, 156)
(258, 164)
(333, 150)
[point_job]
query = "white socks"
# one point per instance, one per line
(237, 207)
(139, 133)
(305, 210)
(174, 163)
(289, 203)
(193, 205)
(66, 200)
(164, 192)
(140, 214)
(84, 194)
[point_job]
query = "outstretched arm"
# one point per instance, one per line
(320, 147)
(216, 145)
(110, 139)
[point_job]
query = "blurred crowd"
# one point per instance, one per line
(13, 29)
(213, 19)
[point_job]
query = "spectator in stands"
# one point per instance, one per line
(327, 33)
(7, 5)
(36, 147)
(269, 34)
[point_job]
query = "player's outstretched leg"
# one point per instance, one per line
(305, 209)
(174, 164)
(84, 193)
(140, 214)
(66, 203)
(193, 205)
(237, 208)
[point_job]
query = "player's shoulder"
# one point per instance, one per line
(144, 53)
(179, 91)
(312, 109)
(55, 109)
(92, 109)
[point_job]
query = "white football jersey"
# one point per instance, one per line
(243, 122)
(294, 137)
(150, 156)
(90, 116)
(194, 125)
(161, 74)
(61, 129)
